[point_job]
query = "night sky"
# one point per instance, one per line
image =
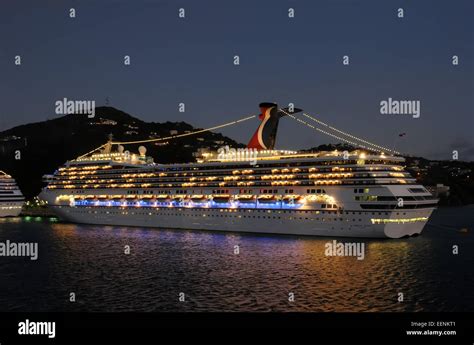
(282, 59)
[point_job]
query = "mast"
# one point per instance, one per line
(108, 146)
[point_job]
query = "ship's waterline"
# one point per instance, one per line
(311, 223)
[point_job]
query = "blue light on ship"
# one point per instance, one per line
(206, 204)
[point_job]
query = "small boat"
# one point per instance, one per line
(199, 198)
(270, 199)
(221, 199)
(250, 199)
(164, 198)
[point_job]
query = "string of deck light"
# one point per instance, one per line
(373, 147)
(325, 132)
(184, 134)
(171, 136)
(349, 135)
(251, 117)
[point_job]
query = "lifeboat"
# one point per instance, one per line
(164, 198)
(267, 199)
(199, 198)
(221, 199)
(178, 199)
(246, 199)
(91, 199)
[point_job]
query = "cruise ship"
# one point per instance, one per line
(11, 199)
(257, 189)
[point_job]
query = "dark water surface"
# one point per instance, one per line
(90, 261)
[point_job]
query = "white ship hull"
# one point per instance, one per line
(10, 209)
(11, 199)
(340, 224)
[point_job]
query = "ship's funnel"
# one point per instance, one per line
(142, 150)
(265, 136)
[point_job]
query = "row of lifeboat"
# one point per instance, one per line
(219, 199)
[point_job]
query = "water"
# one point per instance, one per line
(90, 261)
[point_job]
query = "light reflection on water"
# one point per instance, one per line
(90, 261)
